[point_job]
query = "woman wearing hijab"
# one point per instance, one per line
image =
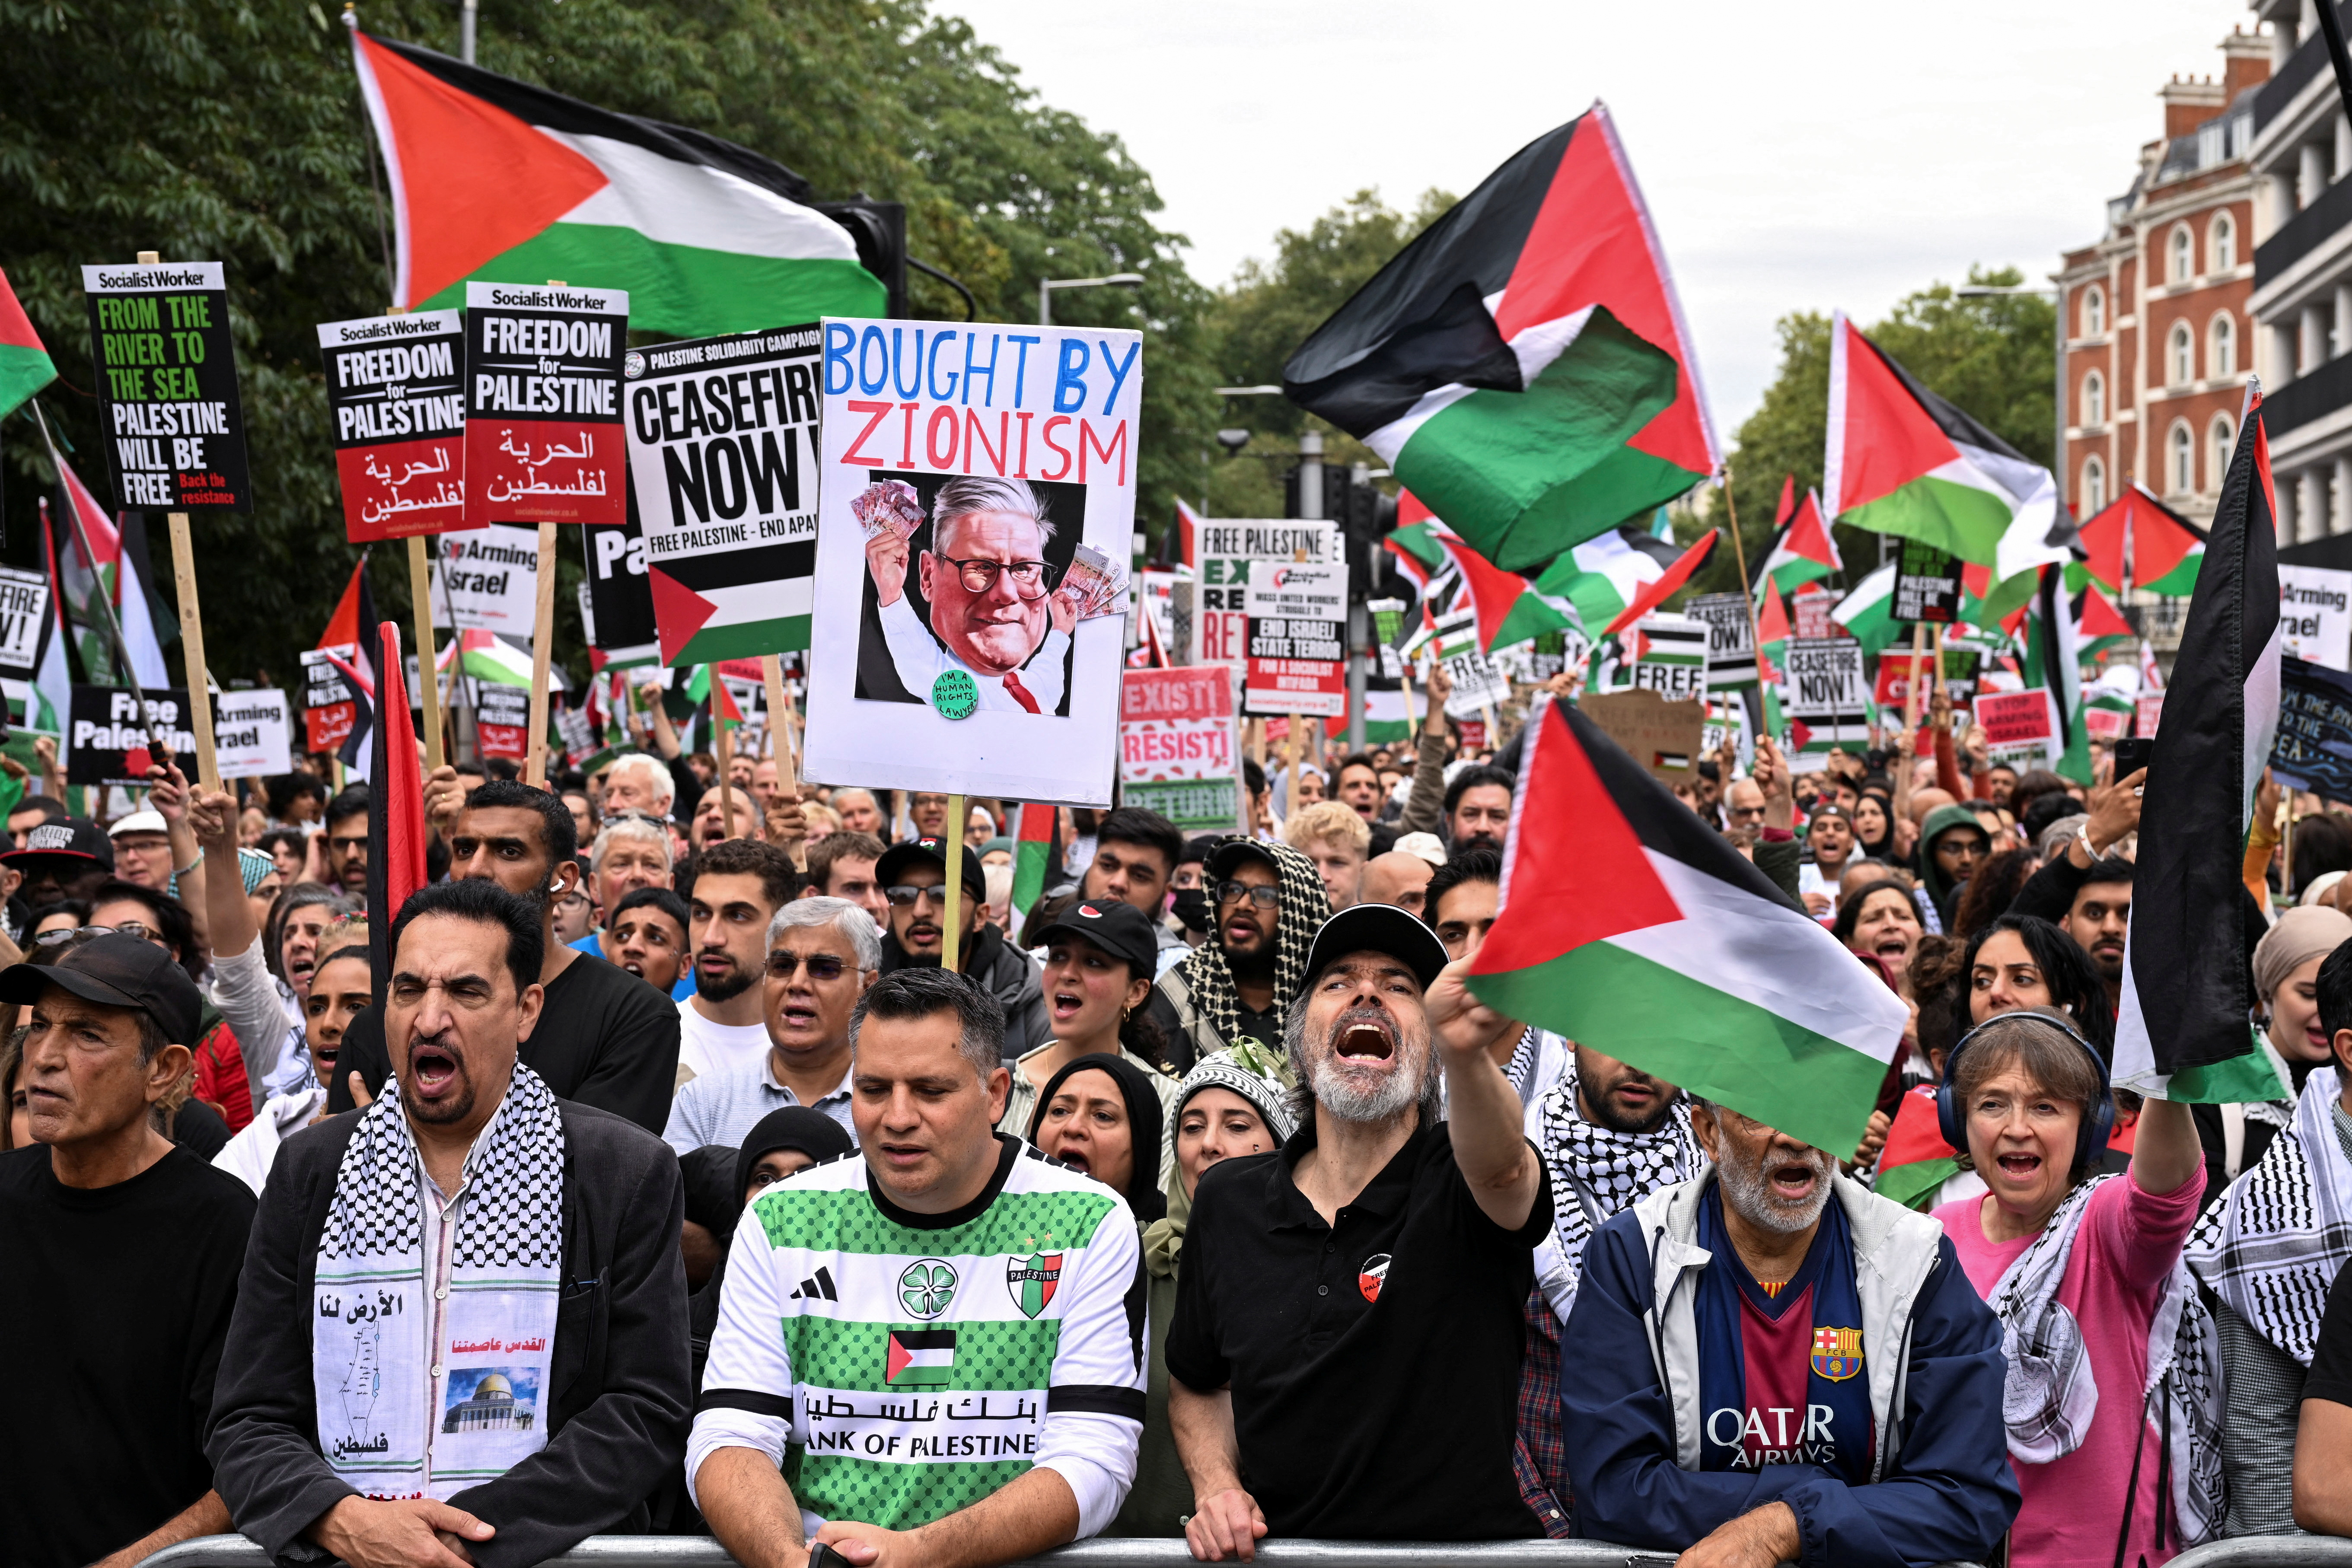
(1874, 828)
(1233, 1102)
(780, 1143)
(1102, 1114)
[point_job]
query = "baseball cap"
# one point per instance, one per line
(68, 838)
(116, 971)
(1234, 851)
(138, 822)
(1377, 928)
(1118, 928)
(931, 852)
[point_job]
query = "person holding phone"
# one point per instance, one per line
(2113, 817)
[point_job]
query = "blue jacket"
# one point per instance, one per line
(1942, 1489)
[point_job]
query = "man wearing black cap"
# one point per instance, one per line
(914, 877)
(1266, 901)
(122, 1254)
(61, 859)
(1364, 1283)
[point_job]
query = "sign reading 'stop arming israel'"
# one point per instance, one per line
(722, 460)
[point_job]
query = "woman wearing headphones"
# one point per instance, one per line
(2079, 1268)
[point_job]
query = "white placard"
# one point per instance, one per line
(252, 733)
(2315, 615)
(487, 580)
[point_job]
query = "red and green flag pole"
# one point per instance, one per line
(1034, 844)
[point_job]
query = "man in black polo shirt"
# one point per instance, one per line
(1344, 1357)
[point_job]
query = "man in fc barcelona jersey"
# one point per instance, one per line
(1774, 1364)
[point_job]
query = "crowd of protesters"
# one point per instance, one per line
(661, 1167)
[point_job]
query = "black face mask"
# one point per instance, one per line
(1192, 908)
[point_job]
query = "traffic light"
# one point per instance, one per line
(879, 229)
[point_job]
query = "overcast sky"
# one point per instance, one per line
(1802, 155)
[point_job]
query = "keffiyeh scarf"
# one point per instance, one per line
(2275, 1245)
(387, 1359)
(1205, 995)
(1597, 1173)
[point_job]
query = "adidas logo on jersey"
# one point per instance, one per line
(818, 1289)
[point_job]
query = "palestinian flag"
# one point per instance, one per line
(1668, 583)
(486, 655)
(2185, 958)
(1916, 1161)
(1772, 631)
(1033, 847)
(1803, 551)
(1646, 936)
(105, 565)
(1388, 712)
(1901, 461)
(1180, 546)
(396, 833)
(1504, 605)
(1868, 613)
(1602, 575)
(24, 366)
(349, 627)
(2140, 537)
(1522, 365)
(496, 180)
(2099, 627)
(2053, 661)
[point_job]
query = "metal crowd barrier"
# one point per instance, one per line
(2266, 1551)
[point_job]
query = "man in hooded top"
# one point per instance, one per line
(1267, 901)
(1952, 845)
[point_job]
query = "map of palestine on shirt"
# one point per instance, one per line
(902, 1366)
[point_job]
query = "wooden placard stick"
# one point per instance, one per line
(429, 681)
(192, 624)
(951, 918)
(542, 644)
(724, 743)
(779, 721)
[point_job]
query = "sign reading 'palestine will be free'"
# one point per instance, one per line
(167, 385)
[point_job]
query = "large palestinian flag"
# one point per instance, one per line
(1504, 605)
(2138, 534)
(1608, 572)
(1900, 459)
(24, 366)
(1522, 364)
(2181, 1030)
(1638, 931)
(497, 180)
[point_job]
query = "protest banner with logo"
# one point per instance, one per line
(1478, 683)
(616, 598)
(2315, 615)
(1178, 752)
(110, 733)
(1670, 657)
(166, 385)
(1662, 737)
(487, 580)
(502, 715)
(544, 438)
(396, 392)
(2019, 726)
(1827, 698)
(1730, 642)
(722, 460)
(1926, 583)
(973, 558)
(1297, 660)
(24, 613)
(251, 732)
(1220, 628)
(1893, 689)
(2314, 748)
(329, 707)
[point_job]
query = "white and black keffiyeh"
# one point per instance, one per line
(1597, 1174)
(2272, 1248)
(422, 1397)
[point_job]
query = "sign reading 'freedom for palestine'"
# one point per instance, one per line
(543, 439)
(167, 385)
(396, 391)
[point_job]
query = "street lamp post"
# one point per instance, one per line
(1045, 287)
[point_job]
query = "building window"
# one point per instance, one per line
(2183, 357)
(2094, 488)
(2225, 243)
(2184, 255)
(2095, 311)
(2223, 358)
(2095, 399)
(2184, 462)
(2225, 438)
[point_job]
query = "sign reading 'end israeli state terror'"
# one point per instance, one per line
(167, 386)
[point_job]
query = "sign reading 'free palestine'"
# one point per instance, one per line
(167, 385)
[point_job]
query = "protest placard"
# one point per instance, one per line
(2315, 615)
(1809, 612)
(1827, 696)
(543, 440)
(1154, 601)
(1926, 583)
(2148, 709)
(1670, 657)
(1661, 736)
(1178, 752)
(1220, 628)
(23, 611)
(110, 733)
(1895, 665)
(973, 558)
(722, 460)
(2017, 725)
(250, 734)
(1298, 640)
(166, 385)
(2313, 747)
(397, 393)
(1730, 641)
(1478, 683)
(329, 706)
(487, 580)
(502, 717)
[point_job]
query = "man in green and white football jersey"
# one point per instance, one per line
(931, 1351)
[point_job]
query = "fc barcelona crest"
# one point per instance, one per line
(1033, 1279)
(1837, 1354)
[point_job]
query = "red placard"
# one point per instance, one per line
(543, 435)
(1809, 611)
(2014, 718)
(394, 390)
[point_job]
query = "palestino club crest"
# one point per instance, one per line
(1033, 1279)
(1373, 1276)
(1837, 1354)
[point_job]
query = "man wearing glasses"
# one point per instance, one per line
(822, 955)
(994, 614)
(1267, 902)
(913, 877)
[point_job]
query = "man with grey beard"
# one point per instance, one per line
(1382, 1255)
(1776, 1365)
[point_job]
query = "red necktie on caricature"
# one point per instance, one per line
(1021, 693)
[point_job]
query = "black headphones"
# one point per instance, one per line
(2089, 1138)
